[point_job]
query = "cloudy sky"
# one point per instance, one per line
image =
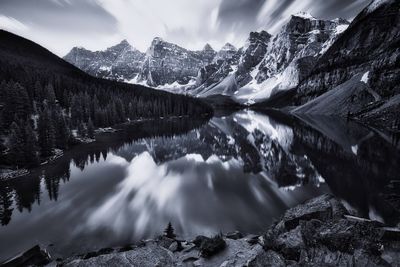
(96, 24)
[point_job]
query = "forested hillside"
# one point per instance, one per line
(48, 104)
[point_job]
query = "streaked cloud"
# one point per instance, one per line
(96, 24)
(11, 24)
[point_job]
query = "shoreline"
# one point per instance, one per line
(8, 173)
(321, 231)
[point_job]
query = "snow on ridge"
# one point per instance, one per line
(365, 77)
(304, 15)
(228, 47)
(105, 68)
(135, 80)
(341, 28)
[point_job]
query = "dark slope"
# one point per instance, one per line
(18, 50)
(371, 43)
(26, 62)
(280, 99)
(369, 48)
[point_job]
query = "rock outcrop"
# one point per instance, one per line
(291, 54)
(121, 62)
(262, 66)
(369, 47)
(166, 63)
(36, 256)
(319, 232)
(268, 64)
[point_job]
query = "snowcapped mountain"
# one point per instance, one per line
(120, 62)
(364, 60)
(228, 51)
(263, 66)
(166, 63)
(369, 44)
(268, 64)
(358, 60)
(231, 67)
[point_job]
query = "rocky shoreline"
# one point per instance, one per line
(319, 232)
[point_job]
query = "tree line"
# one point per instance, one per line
(37, 121)
(47, 104)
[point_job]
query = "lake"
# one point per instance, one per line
(237, 171)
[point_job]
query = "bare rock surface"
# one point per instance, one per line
(319, 232)
(149, 255)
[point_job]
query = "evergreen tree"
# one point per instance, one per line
(169, 231)
(50, 94)
(30, 146)
(2, 146)
(62, 131)
(16, 145)
(82, 131)
(90, 129)
(6, 204)
(76, 111)
(2, 128)
(46, 133)
(22, 102)
(38, 92)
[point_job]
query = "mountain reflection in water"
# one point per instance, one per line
(238, 172)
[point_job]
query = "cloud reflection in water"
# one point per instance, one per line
(197, 195)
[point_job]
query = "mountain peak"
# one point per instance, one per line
(124, 42)
(157, 40)
(208, 47)
(121, 46)
(262, 35)
(79, 48)
(304, 15)
(228, 47)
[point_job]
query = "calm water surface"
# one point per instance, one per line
(238, 172)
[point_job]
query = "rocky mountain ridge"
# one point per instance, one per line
(352, 68)
(120, 62)
(163, 63)
(230, 71)
(166, 63)
(360, 72)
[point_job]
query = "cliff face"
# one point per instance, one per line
(290, 55)
(310, 234)
(310, 56)
(120, 62)
(166, 63)
(370, 44)
(224, 63)
(253, 52)
(303, 36)
(267, 64)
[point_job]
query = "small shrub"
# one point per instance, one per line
(211, 246)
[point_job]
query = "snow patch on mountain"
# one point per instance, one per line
(365, 77)
(263, 66)
(340, 28)
(304, 15)
(286, 58)
(255, 91)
